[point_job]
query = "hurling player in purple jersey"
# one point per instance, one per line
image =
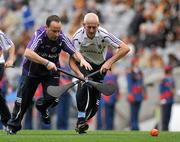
(40, 66)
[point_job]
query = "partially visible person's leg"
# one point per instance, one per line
(109, 111)
(166, 114)
(4, 111)
(135, 107)
(28, 120)
(100, 116)
(63, 109)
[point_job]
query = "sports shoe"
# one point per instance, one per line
(10, 131)
(44, 115)
(81, 127)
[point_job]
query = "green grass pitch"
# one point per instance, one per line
(91, 136)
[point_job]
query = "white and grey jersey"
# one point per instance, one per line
(95, 50)
(5, 44)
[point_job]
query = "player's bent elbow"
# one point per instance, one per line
(27, 53)
(125, 48)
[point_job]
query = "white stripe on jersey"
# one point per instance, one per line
(111, 37)
(36, 40)
(5, 42)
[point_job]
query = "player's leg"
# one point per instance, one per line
(95, 97)
(43, 103)
(82, 97)
(87, 100)
(25, 93)
(82, 100)
(4, 110)
(87, 107)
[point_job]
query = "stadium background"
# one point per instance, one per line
(154, 40)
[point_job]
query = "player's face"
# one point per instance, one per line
(53, 30)
(91, 29)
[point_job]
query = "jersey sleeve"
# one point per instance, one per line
(110, 39)
(5, 41)
(67, 45)
(76, 44)
(76, 39)
(36, 39)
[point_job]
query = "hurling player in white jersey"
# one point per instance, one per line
(92, 41)
(5, 45)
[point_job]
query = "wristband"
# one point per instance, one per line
(47, 64)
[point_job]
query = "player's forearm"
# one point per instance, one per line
(31, 55)
(122, 51)
(78, 57)
(73, 66)
(11, 53)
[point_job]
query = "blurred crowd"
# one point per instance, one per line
(150, 28)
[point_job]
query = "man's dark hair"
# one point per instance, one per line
(52, 18)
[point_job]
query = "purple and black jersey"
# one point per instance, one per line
(47, 49)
